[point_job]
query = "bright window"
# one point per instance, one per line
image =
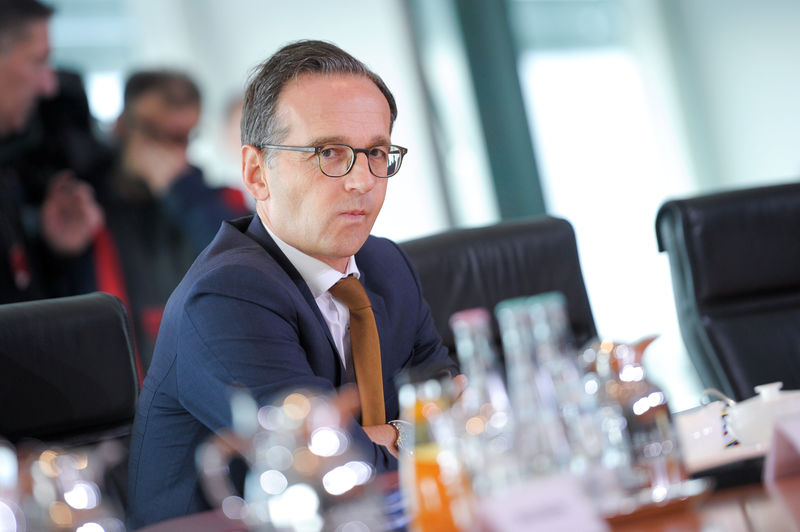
(606, 166)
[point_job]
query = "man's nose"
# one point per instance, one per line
(48, 81)
(360, 177)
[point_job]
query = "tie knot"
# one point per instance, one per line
(349, 291)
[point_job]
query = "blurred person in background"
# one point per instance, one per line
(24, 61)
(230, 142)
(153, 211)
(160, 212)
(48, 217)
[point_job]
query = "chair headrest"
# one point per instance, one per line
(738, 243)
(66, 366)
(479, 267)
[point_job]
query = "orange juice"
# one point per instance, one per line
(433, 477)
(431, 497)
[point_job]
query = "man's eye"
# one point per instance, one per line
(333, 152)
(378, 153)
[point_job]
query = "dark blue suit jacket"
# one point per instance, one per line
(244, 316)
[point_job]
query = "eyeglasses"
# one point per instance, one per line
(336, 160)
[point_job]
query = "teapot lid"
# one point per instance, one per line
(769, 391)
(764, 392)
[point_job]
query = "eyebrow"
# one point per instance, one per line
(321, 141)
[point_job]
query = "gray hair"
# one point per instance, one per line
(260, 124)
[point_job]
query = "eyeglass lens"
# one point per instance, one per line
(336, 160)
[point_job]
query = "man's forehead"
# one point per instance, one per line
(325, 86)
(158, 114)
(312, 80)
(37, 35)
(31, 34)
(154, 101)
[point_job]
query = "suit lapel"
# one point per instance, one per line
(257, 232)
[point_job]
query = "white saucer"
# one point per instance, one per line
(643, 504)
(726, 456)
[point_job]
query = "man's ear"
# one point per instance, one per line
(254, 172)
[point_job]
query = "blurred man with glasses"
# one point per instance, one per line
(160, 211)
(256, 310)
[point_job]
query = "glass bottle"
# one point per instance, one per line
(654, 444)
(611, 479)
(432, 476)
(483, 417)
(556, 352)
(541, 437)
(304, 473)
(66, 489)
(11, 516)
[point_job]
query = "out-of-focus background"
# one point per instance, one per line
(592, 110)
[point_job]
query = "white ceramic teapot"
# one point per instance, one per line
(752, 421)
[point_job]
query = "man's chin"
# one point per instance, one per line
(347, 245)
(9, 127)
(20, 121)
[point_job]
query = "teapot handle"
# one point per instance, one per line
(213, 457)
(713, 392)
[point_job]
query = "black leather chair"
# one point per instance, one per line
(735, 263)
(67, 371)
(479, 267)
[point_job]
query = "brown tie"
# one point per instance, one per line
(366, 349)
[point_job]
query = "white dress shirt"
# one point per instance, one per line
(320, 278)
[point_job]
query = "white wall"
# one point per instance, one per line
(694, 97)
(219, 42)
(739, 62)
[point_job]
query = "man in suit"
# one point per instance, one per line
(256, 308)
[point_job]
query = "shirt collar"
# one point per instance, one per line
(318, 276)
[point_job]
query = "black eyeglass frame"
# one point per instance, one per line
(318, 150)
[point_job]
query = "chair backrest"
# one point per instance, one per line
(735, 263)
(479, 267)
(67, 370)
